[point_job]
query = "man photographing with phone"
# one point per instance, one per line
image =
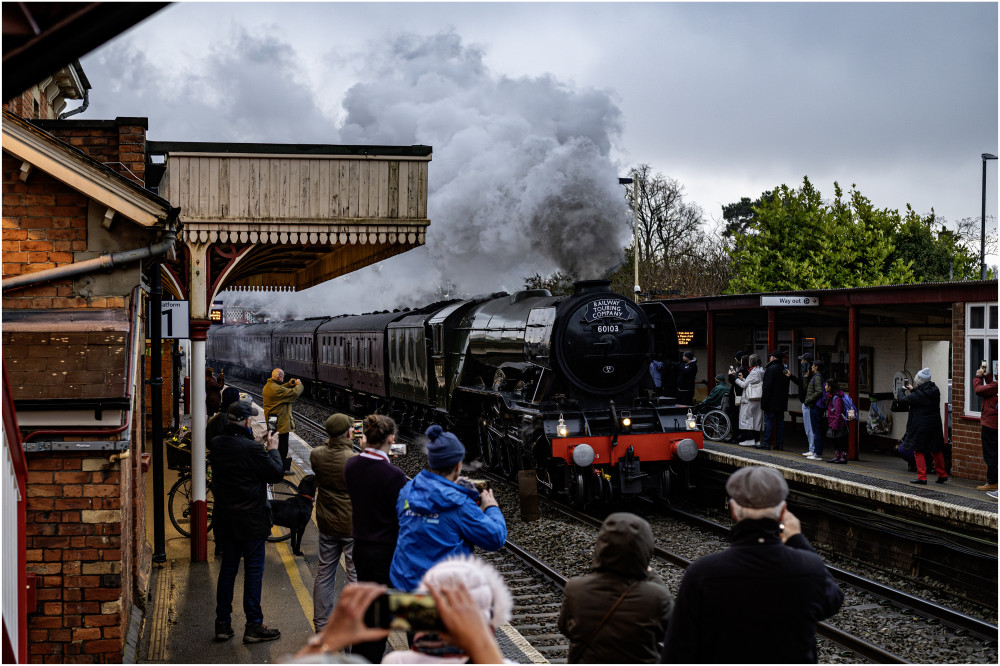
(278, 398)
(241, 470)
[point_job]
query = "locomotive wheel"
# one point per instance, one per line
(716, 425)
(498, 449)
(664, 490)
(607, 492)
(578, 489)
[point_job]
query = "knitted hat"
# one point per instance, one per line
(485, 585)
(720, 377)
(922, 376)
(230, 394)
(443, 448)
(338, 424)
(739, 354)
(777, 353)
(757, 487)
(240, 410)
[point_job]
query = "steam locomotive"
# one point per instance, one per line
(530, 381)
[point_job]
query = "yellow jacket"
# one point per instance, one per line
(278, 399)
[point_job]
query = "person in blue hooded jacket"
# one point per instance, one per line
(438, 514)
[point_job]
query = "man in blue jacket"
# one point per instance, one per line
(438, 515)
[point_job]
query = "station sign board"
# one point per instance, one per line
(788, 301)
(175, 317)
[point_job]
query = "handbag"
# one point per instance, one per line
(753, 392)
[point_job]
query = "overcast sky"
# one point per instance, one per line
(529, 106)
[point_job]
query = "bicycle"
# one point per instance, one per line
(179, 498)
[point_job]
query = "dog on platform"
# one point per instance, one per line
(296, 512)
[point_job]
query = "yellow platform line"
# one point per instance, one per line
(295, 578)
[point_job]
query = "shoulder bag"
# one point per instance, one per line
(604, 619)
(754, 392)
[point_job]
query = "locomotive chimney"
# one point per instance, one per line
(591, 287)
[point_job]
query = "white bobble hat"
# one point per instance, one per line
(484, 583)
(922, 376)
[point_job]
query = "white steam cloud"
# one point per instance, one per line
(521, 180)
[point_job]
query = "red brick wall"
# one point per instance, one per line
(120, 144)
(44, 224)
(75, 515)
(23, 105)
(166, 372)
(967, 446)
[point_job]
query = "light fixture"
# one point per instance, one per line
(561, 429)
(692, 422)
(626, 421)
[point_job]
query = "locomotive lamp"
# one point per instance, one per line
(561, 429)
(626, 422)
(692, 422)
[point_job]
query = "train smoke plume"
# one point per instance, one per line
(521, 181)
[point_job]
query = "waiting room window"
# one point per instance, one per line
(980, 345)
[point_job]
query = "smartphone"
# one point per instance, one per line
(404, 611)
(397, 449)
(272, 424)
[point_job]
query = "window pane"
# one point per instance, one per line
(977, 317)
(976, 355)
(993, 317)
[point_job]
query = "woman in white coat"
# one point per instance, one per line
(751, 416)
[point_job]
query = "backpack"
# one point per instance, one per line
(850, 411)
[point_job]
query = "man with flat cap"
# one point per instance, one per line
(769, 587)
(241, 470)
(774, 400)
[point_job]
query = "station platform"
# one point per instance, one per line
(180, 613)
(880, 478)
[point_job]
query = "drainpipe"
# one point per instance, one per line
(103, 262)
(86, 93)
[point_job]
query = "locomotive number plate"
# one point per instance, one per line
(607, 328)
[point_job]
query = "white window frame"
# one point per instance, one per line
(985, 334)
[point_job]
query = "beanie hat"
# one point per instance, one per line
(720, 377)
(338, 424)
(922, 376)
(443, 448)
(241, 410)
(485, 585)
(757, 487)
(230, 394)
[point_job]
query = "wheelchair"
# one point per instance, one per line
(714, 421)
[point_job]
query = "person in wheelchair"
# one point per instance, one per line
(717, 399)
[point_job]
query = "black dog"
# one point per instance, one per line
(296, 512)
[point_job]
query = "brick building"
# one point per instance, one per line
(77, 228)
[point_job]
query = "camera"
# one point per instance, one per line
(404, 611)
(272, 424)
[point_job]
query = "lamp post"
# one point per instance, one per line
(634, 182)
(982, 233)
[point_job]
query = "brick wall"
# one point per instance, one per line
(967, 447)
(119, 144)
(75, 515)
(44, 224)
(24, 104)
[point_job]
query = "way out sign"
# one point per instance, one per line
(174, 319)
(788, 301)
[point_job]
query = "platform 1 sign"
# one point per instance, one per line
(174, 319)
(788, 301)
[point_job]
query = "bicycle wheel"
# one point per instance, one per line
(277, 492)
(715, 425)
(179, 505)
